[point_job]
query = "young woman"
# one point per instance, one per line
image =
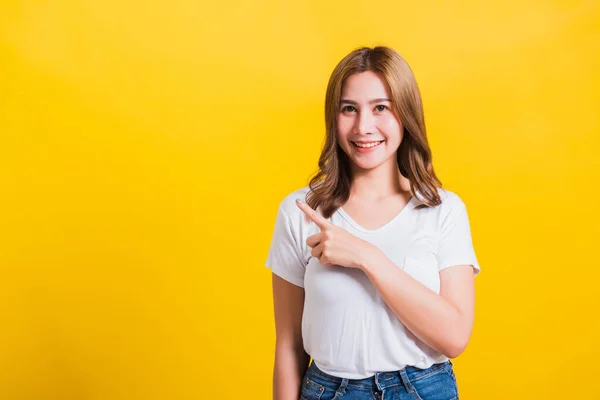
(372, 262)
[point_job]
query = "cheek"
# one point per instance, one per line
(391, 127)
(344, 126)
(343, 131)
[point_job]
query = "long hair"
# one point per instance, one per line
(330, 186)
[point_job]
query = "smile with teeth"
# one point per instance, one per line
(367, 145)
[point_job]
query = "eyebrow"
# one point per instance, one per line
(370, 102)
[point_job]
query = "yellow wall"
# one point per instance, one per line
(145, 147)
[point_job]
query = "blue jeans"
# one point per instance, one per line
(437, 382)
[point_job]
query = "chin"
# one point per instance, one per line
(369, 165)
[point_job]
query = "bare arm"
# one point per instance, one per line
(444, 322)
(291, 360)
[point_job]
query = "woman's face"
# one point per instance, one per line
(366, 116)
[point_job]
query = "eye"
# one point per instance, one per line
(347, 108)
(380, 107)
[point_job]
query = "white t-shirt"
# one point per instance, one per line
(347, 328)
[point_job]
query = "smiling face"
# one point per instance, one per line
(367, 129)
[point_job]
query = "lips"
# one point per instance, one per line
(377, 143)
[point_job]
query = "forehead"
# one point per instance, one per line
(365, 85)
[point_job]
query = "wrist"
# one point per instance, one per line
(369, 258)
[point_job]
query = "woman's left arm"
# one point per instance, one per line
(443, 321)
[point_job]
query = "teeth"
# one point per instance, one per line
(367, 145)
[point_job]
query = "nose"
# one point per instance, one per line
(364, 123)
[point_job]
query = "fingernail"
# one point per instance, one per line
(298, 201)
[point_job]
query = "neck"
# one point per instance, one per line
(379, 183)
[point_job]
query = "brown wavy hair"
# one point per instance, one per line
(330, 185)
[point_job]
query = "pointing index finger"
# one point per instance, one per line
(314, 216)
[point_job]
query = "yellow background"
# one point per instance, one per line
(145, 147)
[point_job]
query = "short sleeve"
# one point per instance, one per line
(455, 244)
(284, 257)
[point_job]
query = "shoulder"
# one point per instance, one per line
(288, 206)
(450, 199)
(288, 203)
(294, 217)
(452, 204)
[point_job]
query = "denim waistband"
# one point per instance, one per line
(382, 380)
